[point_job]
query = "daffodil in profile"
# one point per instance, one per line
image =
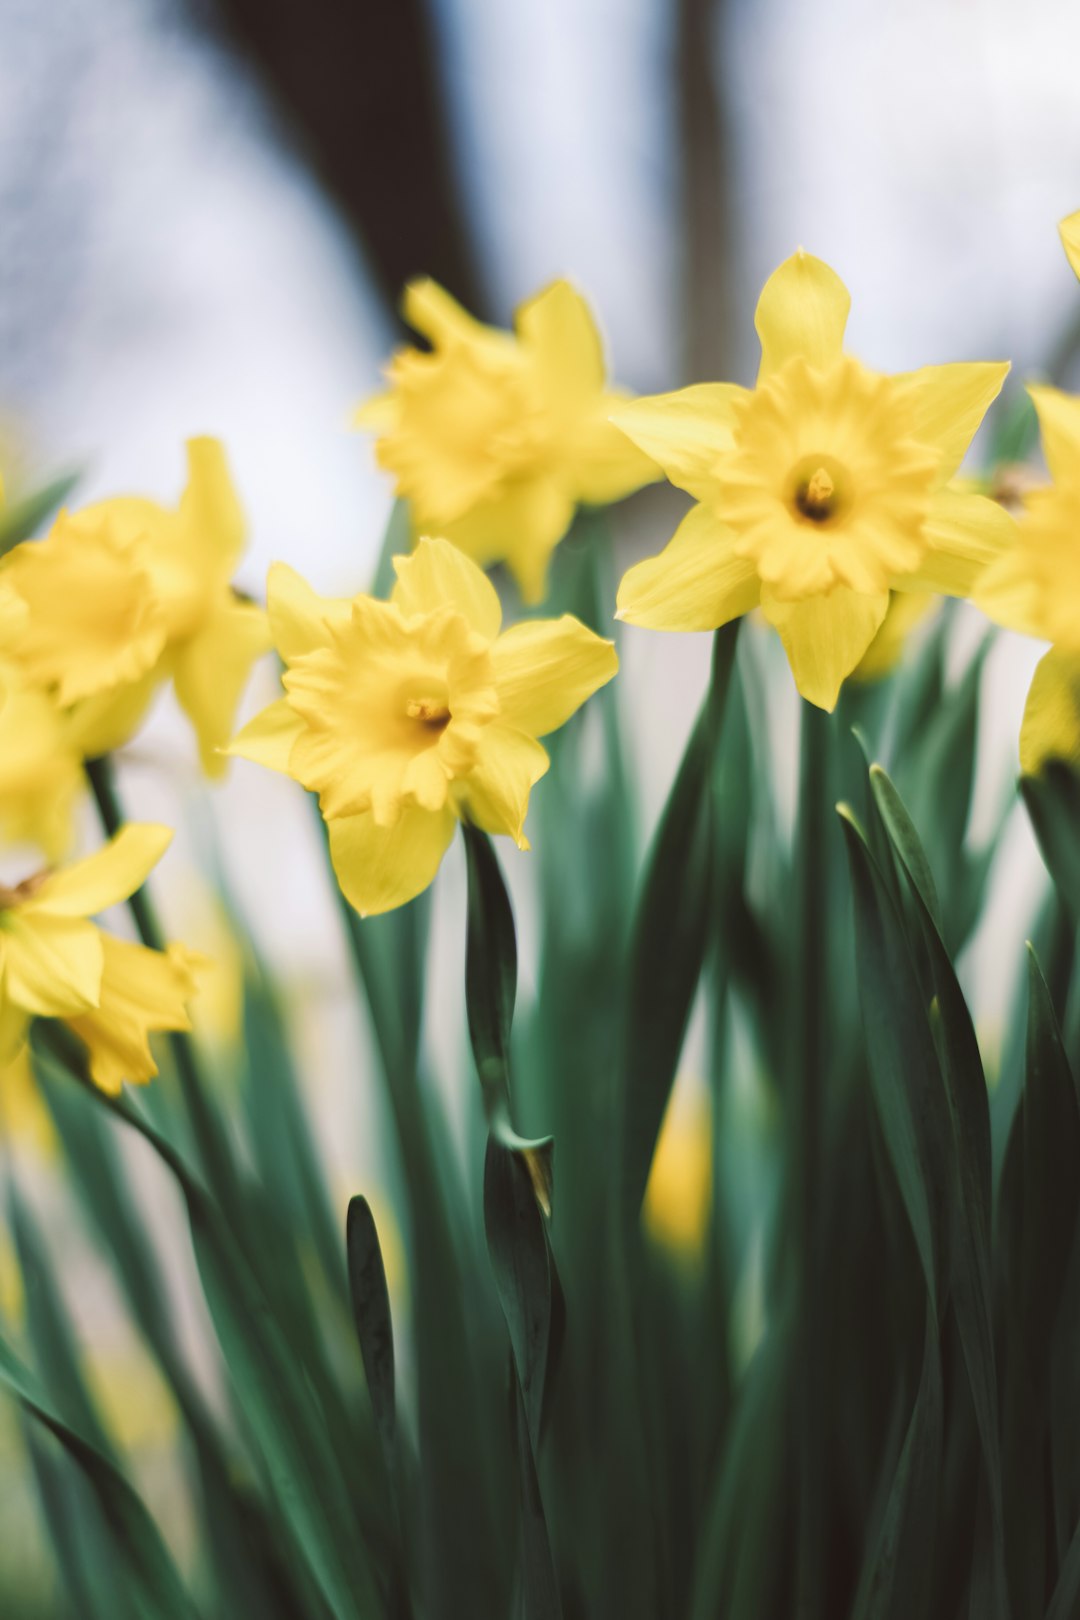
(125, 594)
(818, 492)
(1035, 586)
(56, 963)
(409, 715)
(495, 438)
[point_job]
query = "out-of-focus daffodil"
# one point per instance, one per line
(1035, 586)
(40, 765)
(24, 1117)
(907, 610)
(125, 594)
(56, 963)
(679, 1191)
(408, 715)
(819, 491)
(495, 438)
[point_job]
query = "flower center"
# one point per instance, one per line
(817, 490)
(432, 712)
(11, 897)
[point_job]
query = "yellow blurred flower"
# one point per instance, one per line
(407, 715)
(56, 963)
(495, 438)
(1035, 586)
(125, 594)
(40, 765)
(819, 490)
(907, 610)
(24, 1117)
(679, 1192)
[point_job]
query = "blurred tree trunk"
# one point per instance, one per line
(707, 233)
(358, 83)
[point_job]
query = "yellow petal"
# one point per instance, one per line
(52, 965)
(803, 310)
(1008, 593)
(950, 401)
(103, 723)
(268, 738)
(94, 620)
(907, 609)
(437, 575)
(557, 326)
(1069, 230)
(1059, 424)
(685, 433)
(430, 309)
(521, 526)
(299, 616)
(696, 583)
(495, 794)
(1051, 725)
(825, 637)
(211, 672)
(105, 878)
(965, 534)
(546, 668)
(606, 464)
(141, 991)
(380, 868)
(210, 507)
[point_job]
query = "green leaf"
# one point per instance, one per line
(1053, 803)
(490, 992)
(895, 1583)
(147, 1563)
(287, 1427)
(1065, 1603)
(1040, 1203)
(397, 542)
(374, 1329)
(903, 1063)
(670, 931)
(23, 518)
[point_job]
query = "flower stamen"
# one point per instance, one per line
(814, 498)
(430, 712)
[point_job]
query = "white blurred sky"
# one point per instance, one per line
(168, 268)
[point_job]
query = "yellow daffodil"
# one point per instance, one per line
(1035, 586)
(679, 1192)
(408, 715)
(819, 490)
(126, 593)
(56, 963)
(495, 438)
(40, 765)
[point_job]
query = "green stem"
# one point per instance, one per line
(807, 1109)
(210, 1140)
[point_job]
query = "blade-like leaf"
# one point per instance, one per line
(374, 1329)
(148, 1565)
(670, 930)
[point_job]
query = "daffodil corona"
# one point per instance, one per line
(125, 594)
(56, 963)
(495, 438)
(1035, 587)
(819, 491)
(409, 715)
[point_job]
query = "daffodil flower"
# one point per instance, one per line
(1035, 586)
(408, 715)
(126, 594)
(56, 963)
(496, 438)
(819, 491)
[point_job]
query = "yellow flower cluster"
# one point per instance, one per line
(826, 496)
(117, 599)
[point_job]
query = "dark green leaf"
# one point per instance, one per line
(670, 930)
(374, 1329)
(1053, 803)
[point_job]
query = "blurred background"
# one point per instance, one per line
(207, 212)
